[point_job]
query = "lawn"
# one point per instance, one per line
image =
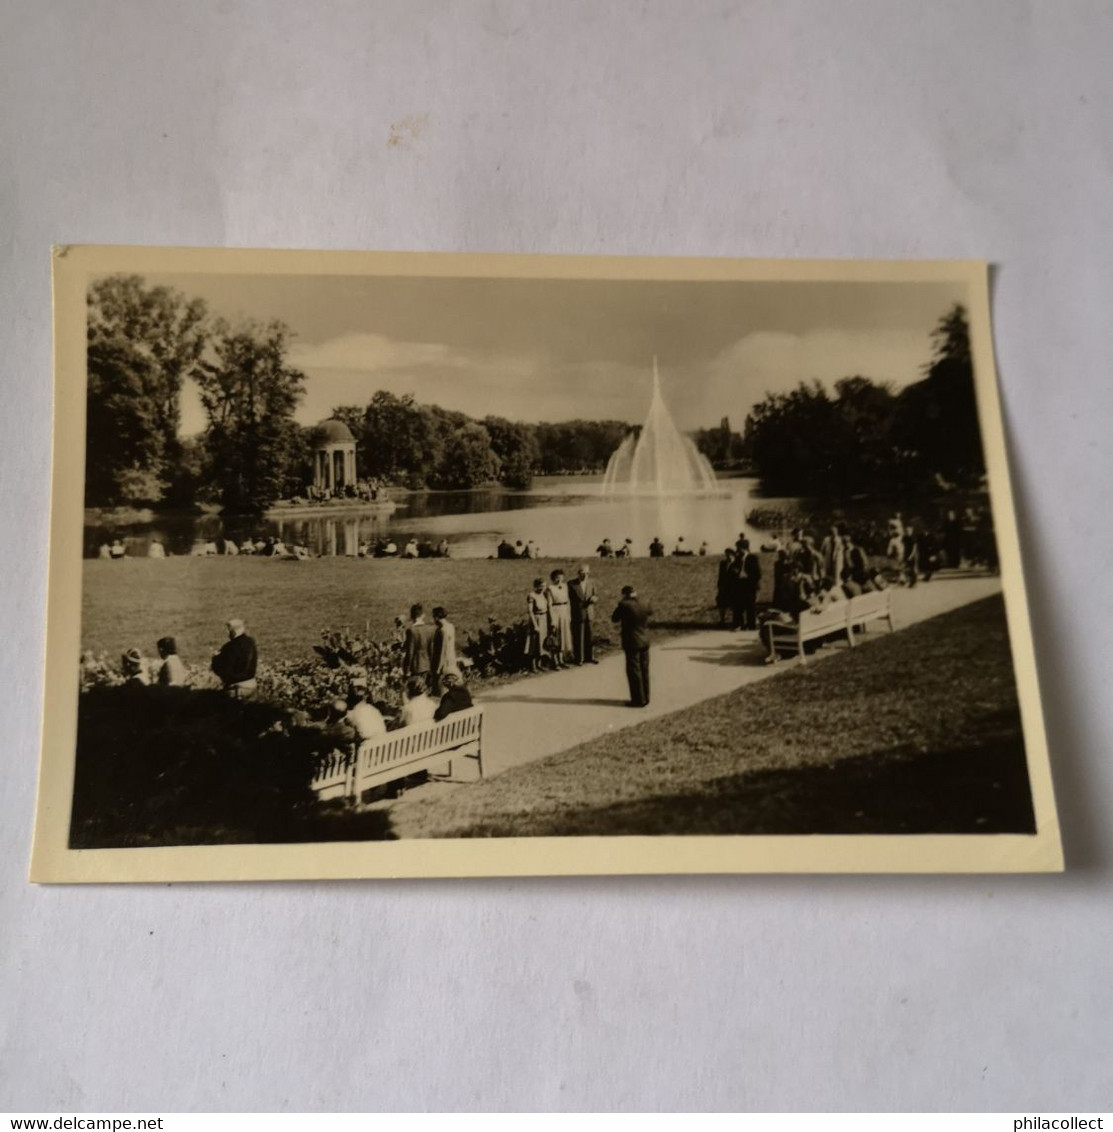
(287, 604)
(917, 733)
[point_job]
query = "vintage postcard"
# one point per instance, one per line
(392, 565)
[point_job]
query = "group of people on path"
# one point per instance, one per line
(736, 585)
(561, 617)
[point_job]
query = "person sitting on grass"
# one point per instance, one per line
(419, 707)
(172, 672)
(134, 667)
(236, 661)
(411, 549)
(626, 550)
(456, 697)
(656, 548)
(116, 550)
(604, 549)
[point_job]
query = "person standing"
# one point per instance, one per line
(911, 560)
(537, 611)
(952, 540)
(656, 548)
(747, 567)
(444, 660)
(632, 616)
(856, 561)
(582, 598)
(417, 650)
(723, 585)
(560, 618)
(236, 661)
(834, 554)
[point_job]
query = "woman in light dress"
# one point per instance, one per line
(560, 618)
(537, 610)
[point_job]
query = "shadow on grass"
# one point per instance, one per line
(980, 790)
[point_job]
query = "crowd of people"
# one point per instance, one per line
(366, 490)
(276, 547)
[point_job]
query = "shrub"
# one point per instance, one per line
(175, 765)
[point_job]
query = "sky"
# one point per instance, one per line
(545, 350)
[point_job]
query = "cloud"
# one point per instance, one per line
(365, 352)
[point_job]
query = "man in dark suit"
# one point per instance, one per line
(236, 661)
(747, 568)
(632, 615)
(582, 598)
(417, 650)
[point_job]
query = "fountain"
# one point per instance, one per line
(660, 460)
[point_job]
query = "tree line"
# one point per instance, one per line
(145, 342)
(864, 437)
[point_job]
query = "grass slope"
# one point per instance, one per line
(133, 602)
(918, 732)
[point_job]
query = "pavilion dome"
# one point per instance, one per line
(333, 431)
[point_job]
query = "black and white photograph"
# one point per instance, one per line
(711, 560)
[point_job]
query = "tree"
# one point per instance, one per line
(937, 419)
(249, 395)
(401, 440)
(515, 445)
(468, 460)
(142, 343)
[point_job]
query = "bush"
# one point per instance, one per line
(178, 766)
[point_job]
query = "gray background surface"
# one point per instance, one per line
(697, 128)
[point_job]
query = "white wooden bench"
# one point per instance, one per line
(438, 748)
(842, 617)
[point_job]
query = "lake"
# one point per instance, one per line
(565, 516)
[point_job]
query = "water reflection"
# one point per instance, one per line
(565, 516)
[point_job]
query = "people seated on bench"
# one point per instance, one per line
(362, 716)
(456, 697)
(850, 587)
(797, 598)
(419, 707)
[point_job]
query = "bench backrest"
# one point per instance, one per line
(870, 605)
(825, 621)
(412, 743)
(403, 746)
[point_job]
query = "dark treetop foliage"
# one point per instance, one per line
(142, 343)
(866, 438)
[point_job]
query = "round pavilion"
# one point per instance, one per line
(334, 457)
